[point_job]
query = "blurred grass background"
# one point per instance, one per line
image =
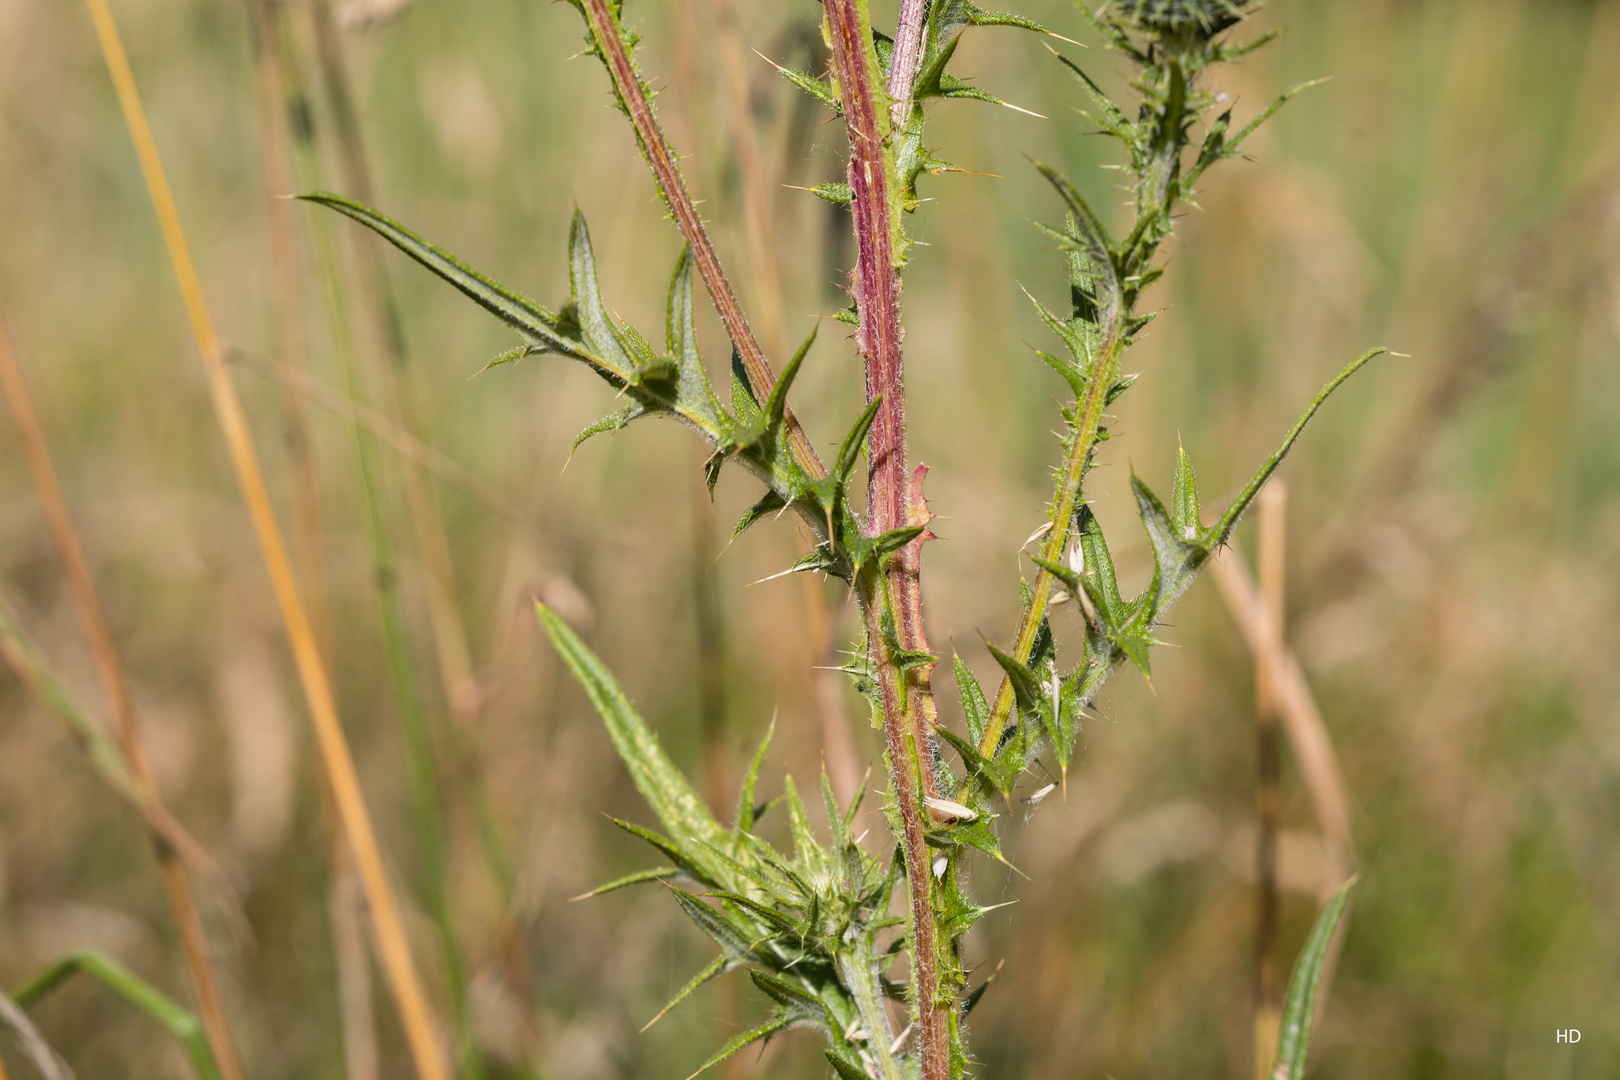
(1453, 192)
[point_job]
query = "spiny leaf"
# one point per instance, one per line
(640, 877)
(510, 356)
(734, 942)
(1070, 579)
(844, 1067)
(1098, 246)
(839, 193)
(775, 920)
(1113, 120)
(974, 706)
(1184, 509)
(1299, 1006)
(680, 341)
(895, 539)
(656, 777)
(1222, 530)
(1176, 560)
(611, 422)
(519, 312)
(849, 453)
(812, 86)
(744, 405)
(980, 17)
(588, 306)
(683, 858)
(776, 405)
(805, 849)
(779, 1020)
(802, 1007)
(768, 504)
(745, 799)
(713, 968)
(1026, 686)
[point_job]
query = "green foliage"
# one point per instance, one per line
(180, 1023)
(806, 926)
(1299, 1005)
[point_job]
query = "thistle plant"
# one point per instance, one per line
(822, 929)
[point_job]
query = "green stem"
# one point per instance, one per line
(1103, 373)
(859, 969)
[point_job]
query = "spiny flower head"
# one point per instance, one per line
(1177, 16)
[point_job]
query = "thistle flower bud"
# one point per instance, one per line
(1178, 16)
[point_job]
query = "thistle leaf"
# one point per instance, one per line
(611, 422)
(1026, 686)
(735, 943)
(640, 877)
(1176, 559)
(1299, 1006)
(800, 1006)
(975, 708)
(838, 193)
(745, 799)
(1222, 529)
(744, 405)
(850, 452)
(768, 504)
(812, 86)
(777, 1022)
(656, 777)
(1096, 243)
(1184, 510)
(713, 968)
(895, 539)
(844, 1067)
(776, 404)
(680, 342)
(588, 307)
(528, 318)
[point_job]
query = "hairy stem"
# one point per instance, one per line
(1088, 414)
(661, 159)
(908, 50)
(906, 698)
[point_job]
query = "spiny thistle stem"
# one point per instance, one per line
(656, 149)
(875, 284)
(1105, 369)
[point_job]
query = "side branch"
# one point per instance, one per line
(661, 160)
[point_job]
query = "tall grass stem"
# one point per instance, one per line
(115, 684)
(420, 1026)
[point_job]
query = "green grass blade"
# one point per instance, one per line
(180, 1023)
(1299, 1007)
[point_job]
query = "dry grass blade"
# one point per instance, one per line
(1302, 720)
(40, 1055)
(421, 1029)
(116, 686)
(34, 672)
(1273, 505)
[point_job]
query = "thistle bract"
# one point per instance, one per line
(1208, 16)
